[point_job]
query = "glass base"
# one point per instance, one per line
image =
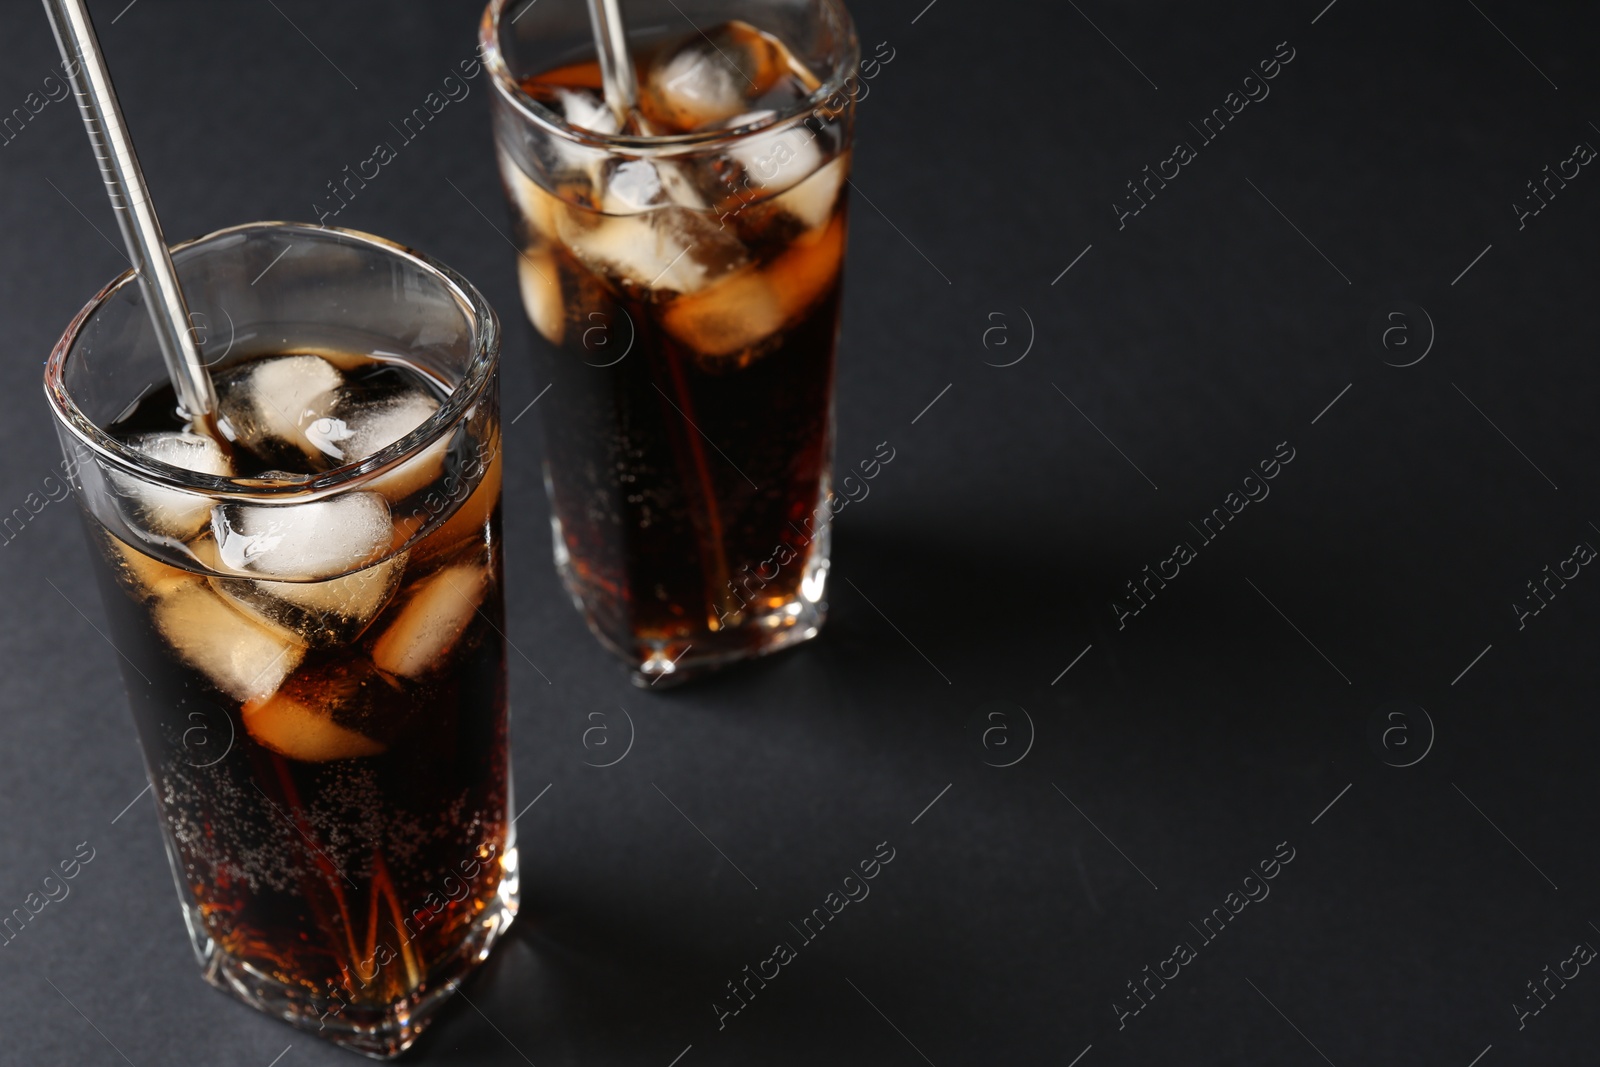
(662, 663)
(672, 663)
(381, 1033)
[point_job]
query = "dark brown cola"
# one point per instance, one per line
(322, 707)
(688, 308)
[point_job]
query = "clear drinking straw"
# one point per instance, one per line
(136, 215)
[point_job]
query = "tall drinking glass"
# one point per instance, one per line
(309, 615)
(681, 266)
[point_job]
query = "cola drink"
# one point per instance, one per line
(320, 692)
(681, 265)
(303, 584)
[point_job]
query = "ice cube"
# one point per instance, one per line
(241, 657)
(320, 614)
(435, 615)
(754, 304)
(812, 201)
(309, 541)
(541, 293)
(719, 74)
(580, 107)
(190, 451)
(630, 186)
(668, 249)
(469, 520)
(270, 403)
(416, 473)
(728, 317)
(360, 426)
(171, 512)
(584, 108)
(328, 435)
(144, 576)
(536, 205)
(775, 160)
(320, 715)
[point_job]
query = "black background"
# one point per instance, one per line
(1197, 738)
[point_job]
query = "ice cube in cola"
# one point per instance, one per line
(325, 715)
(687, 305)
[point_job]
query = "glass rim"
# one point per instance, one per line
(668, 144)
(480, 371)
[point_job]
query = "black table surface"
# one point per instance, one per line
(1355, 673)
